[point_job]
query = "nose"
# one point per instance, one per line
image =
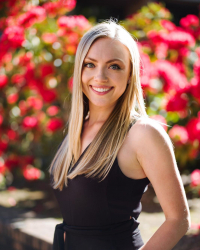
(100, 77)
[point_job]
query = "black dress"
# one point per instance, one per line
(100, 215)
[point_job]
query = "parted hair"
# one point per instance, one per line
(101, 153)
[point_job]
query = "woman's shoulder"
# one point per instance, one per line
(148, 131)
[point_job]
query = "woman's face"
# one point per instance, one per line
(106, 71)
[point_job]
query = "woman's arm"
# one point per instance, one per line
(156, 156)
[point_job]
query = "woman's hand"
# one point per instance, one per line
(156, 156)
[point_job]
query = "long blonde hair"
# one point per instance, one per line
(101, 153)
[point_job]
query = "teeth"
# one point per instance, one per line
(101, 89)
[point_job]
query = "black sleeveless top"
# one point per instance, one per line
(101, 211)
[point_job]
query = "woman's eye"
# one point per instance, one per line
(89, 65)
(115, 66)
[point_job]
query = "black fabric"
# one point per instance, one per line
(96, 215)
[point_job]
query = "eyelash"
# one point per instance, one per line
(85, 65)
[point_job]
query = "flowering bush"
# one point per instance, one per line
(38, 44)
(171, 75)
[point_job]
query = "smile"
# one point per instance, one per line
(101, 90)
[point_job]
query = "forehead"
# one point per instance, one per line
(108, 48)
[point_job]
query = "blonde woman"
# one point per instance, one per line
(112, 151)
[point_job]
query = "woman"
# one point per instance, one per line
(112, 151)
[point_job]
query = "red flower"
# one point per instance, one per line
(31, 173)
(189, 20)
(166, 70)
(174, 39)
(12, 37)
(193, 128)
(179, 134)
(54, 124)
(3, 80)
(12, 98)
(52, 110)
(1, 119)
(48, 95)
(30, 122)
(177, 103)
(35, 14)
(49, 38)
(35, 102)
(46, 69)
(195, 177)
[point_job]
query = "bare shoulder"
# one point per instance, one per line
(148, 131)
(155, 153)
(149, 139)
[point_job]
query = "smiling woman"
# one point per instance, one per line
(112, 151)
(106, 71)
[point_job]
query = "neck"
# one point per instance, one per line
(98, 115)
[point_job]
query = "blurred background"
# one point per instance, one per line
(38, 41)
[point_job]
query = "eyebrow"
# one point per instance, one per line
(112, 60)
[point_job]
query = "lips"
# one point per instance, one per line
(101, 90)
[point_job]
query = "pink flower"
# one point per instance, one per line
(166, 70)
(168, 25)
(31, 173)
(174, 39)
(72, 22)
(195, 177)
(54, 124)
(189, 20)
(3, 80)
(35, 14)
(179, 134)
(12, 37)
(53, 110)
(49, 38)
(30, 122)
